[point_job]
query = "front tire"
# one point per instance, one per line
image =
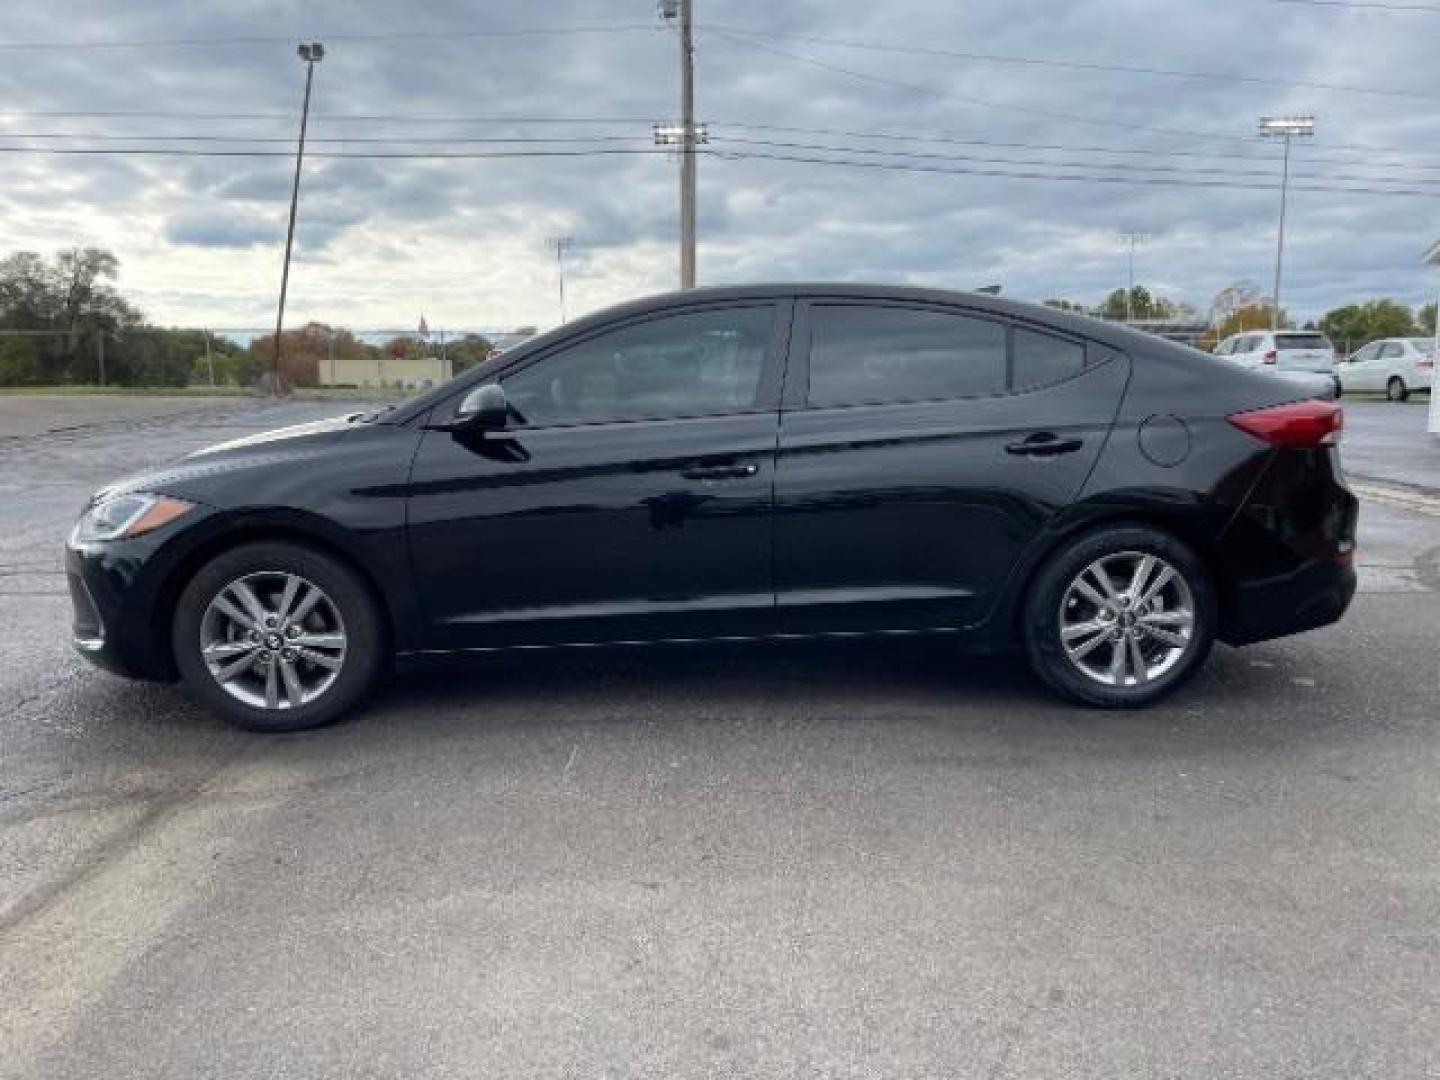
(1120, 617)
(274, 637)
(1396, 390)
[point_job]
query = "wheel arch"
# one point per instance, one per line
(250, 529)
(1192, 525)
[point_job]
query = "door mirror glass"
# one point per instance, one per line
(484, 409)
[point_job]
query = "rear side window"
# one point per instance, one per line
(868, 355)
(1042, 359)
(1302, 341)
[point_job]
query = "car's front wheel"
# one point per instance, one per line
(1120, 617)
(275, 637)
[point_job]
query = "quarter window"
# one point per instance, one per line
(866, 355)
(1042, 359)
(697, 363)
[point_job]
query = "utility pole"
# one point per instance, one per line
(687, 135)
(1287, 128)
(100, 354)
(209, 359)
(312, 52)
(562, 246)
(1132, 240)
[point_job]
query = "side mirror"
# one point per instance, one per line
(483, 409)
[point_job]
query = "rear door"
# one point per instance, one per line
(922, 448)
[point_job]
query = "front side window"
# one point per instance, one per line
(872, 355)
(697, 363)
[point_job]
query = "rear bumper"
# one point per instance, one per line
(1288, 554)
(1314, 594)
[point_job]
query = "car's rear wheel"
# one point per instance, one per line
(1120, 617)
(1396, 390)
(277, 637)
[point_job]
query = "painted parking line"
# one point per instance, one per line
(1403, 498)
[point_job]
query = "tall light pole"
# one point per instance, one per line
(562, 246)
(1287, 128)
(683, 12)
(1131, 240)
(312, 52)
(1432, 258)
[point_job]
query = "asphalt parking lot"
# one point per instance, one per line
(853, 861)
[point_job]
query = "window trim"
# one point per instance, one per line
(796, 395)
(767, 391)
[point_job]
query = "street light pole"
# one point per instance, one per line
(561, 245)
(1287, 128)
(1131, 240)
(312, 52)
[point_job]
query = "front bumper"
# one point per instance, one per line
(121, 592)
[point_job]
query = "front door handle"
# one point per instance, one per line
(1044, 444)
(729, 470)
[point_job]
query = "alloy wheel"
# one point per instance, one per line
(273, 640)
(1127, 619)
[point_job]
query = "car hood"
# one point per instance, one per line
(279, 435)
(284, 447)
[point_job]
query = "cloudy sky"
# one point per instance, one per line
(1001, 127)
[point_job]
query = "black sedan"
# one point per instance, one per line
(757, 463)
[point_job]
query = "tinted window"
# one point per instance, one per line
(1302, 341)
(888, 354)
(694, 364)
(1041, 359)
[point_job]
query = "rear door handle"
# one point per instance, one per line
(1044, 444)
(728, 470)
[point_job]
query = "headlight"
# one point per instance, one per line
(126, 515)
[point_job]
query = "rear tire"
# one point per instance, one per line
(1396, 390)
(1128, 633)
(275, 637)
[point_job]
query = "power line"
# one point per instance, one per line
(945, 95)
(942, 138)
(1009, 174)
(422, 140)
(1076, 65)
(399, 35)
(152, 151)
(333, 118)
(1189, 170)
(1426, 8)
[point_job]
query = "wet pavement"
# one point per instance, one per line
(808, 861)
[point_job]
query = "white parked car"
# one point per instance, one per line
(1284, 352)
(1397, 366)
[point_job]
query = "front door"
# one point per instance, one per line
(629, 500)
(921, 450)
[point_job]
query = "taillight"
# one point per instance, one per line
(1425, 361)
(1298, 425)
(1268, 358)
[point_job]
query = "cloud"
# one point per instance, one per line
(463, 237)
(219, 230)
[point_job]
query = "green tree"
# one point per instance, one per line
(1425, 318)
(468, 351)
(1143, 305)
(19, 363)
(1354, 324)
